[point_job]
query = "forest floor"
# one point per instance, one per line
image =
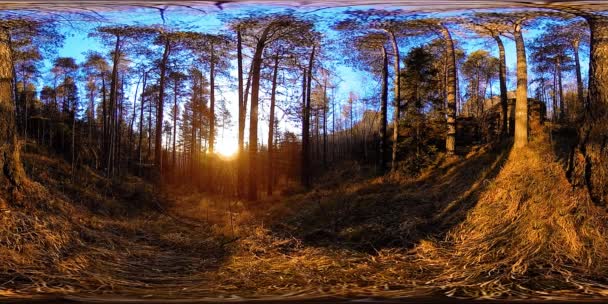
(433, 235)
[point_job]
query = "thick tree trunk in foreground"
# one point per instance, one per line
(159, 113)
(12, 170)
(502, 78)
(383, 112)
(271, 124)
(450, 140)
(397, 105)
(521, 101)
(590, 162)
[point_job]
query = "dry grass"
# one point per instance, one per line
(487, 225)
(530, 234)
(95, 237)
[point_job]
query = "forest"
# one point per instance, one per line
(290, 152)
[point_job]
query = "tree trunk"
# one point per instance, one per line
(589, 164)
(555, 107)
(174, 159)
(242, 112)
(450, 141)
(104, 122)
(579, 77)
(141, 122)
(212, 102)
(562, 110)
(521, 102)
(397, 105)
(502, 78)
(159, 112)
(131, 123)
(113, 93)
(271, 124)
(305, 129)
(325, 123)
(383, 112)
(12, 170)
(306, 122)
(256, 65)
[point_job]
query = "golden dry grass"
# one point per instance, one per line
(491, 224)
(529, 234)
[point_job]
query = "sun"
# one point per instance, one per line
(226, 148)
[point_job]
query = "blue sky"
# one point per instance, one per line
(362, 84)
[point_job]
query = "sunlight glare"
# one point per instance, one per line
(226, 148)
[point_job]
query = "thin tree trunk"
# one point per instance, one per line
(305, 130)
(113, 93)
(555, 107)
(383, 112)
(241, 122)
(502, 78)
(132, 122)
(104, 122)
(397, 101)
(173, 162)
(271, 125)
(212, 103)
(306, 123)
(149, 152)
(160, 109)
(562, 111)
(325, 123)
(579, 77)
(141, 122)
(521, 102)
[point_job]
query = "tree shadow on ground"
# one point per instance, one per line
(393, 212)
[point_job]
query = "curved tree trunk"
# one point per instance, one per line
(450, 140)
(12, 169)
(502, 78)
(256, 66)
(521, 102)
